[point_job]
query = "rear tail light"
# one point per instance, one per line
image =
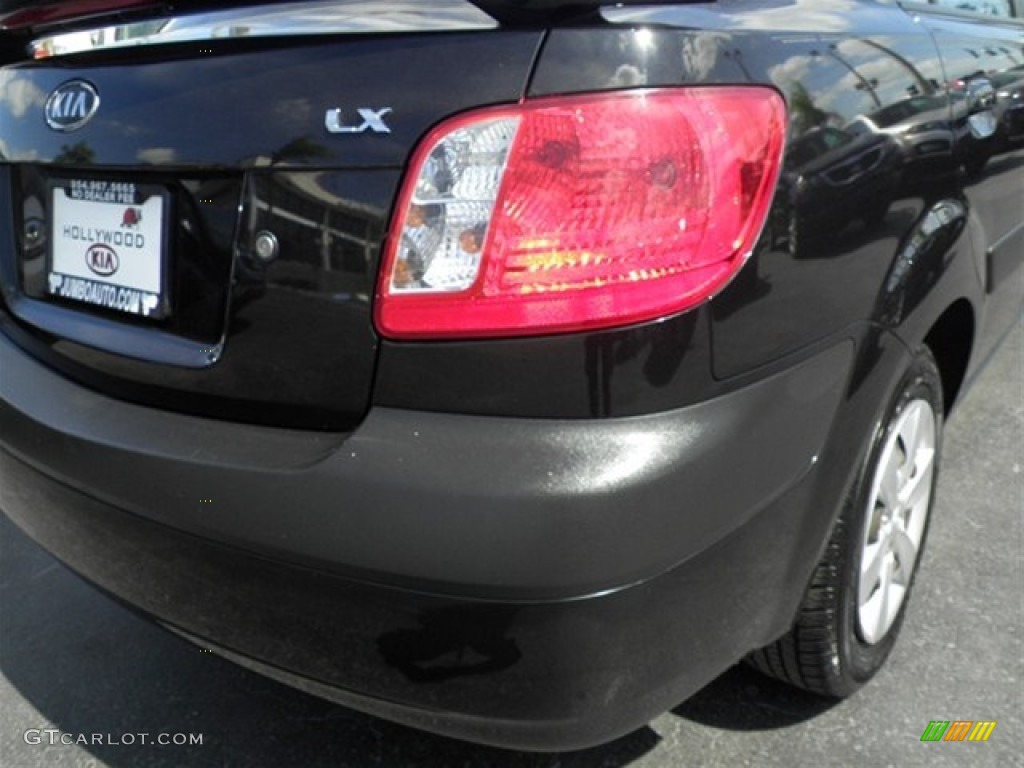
(576, 213)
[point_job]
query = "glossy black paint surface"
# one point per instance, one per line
(873, 152)
(285, 342)
(641, 369)
(869, 215)
(993, 167)
(870, 210)
(493, 578)
(227, 104)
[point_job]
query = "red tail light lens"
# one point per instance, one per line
(577, 213)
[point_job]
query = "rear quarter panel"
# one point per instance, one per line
(869, 227)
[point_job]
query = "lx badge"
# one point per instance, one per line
(373, 120)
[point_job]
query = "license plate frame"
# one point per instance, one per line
(108, 246)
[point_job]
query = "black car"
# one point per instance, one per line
(457, 361)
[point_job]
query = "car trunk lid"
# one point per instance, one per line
(273, 164)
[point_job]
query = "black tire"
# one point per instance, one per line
(826, 650)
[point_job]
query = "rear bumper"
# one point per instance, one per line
(526, 583)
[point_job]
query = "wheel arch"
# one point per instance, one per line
(951, 339)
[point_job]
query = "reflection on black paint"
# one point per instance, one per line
(666, 344)
(79, 153)
(303, 149)
(1009, 110)
(750, 282)
(923, 256)
(453, 642)
(833, 177)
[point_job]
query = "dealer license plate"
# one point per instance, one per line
(107, 246)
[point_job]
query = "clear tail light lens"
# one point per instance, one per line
(577, 213)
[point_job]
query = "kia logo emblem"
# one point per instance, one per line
(102, 260)
(71, 105)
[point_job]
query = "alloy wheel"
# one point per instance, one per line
(896, 512)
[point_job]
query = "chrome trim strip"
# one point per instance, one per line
(312, 17)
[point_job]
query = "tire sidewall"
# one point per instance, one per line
(857, 660)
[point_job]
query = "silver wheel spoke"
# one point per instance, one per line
(872, 572)
(906, 555)
(884, 592)
(917, 487)
(889, 490)
(910, 433)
